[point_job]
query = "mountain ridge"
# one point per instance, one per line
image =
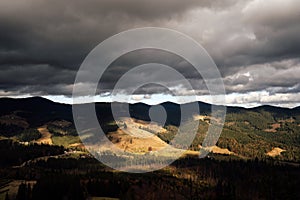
(38, 98)
(39, 110)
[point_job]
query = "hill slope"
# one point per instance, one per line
(248, 133)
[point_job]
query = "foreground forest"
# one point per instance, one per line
(217, 177)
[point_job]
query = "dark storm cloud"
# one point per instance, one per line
(36, 80)
(136, 58)
(33, 74)
(61, 33)
(39, 33)
(42, 43)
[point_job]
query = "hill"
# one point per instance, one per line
(248, 133)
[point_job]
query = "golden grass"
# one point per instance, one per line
(275, 152)
(46, 136)
(273, 128)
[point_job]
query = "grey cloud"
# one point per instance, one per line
(250, 32)
(133, 59)
(284, 90)
(43, 43)
(266, 77)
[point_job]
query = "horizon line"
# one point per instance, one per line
(139, 102)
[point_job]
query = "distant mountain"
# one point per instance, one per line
(35, 110)
(38, 110)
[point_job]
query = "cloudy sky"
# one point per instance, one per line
(254, 43)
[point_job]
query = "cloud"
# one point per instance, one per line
(252, 99)
(255, 43)
(279, 76)
(136, 97)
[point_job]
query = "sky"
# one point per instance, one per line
(254, 43)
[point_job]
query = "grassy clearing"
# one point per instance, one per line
(46, 136)
(65, 140)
